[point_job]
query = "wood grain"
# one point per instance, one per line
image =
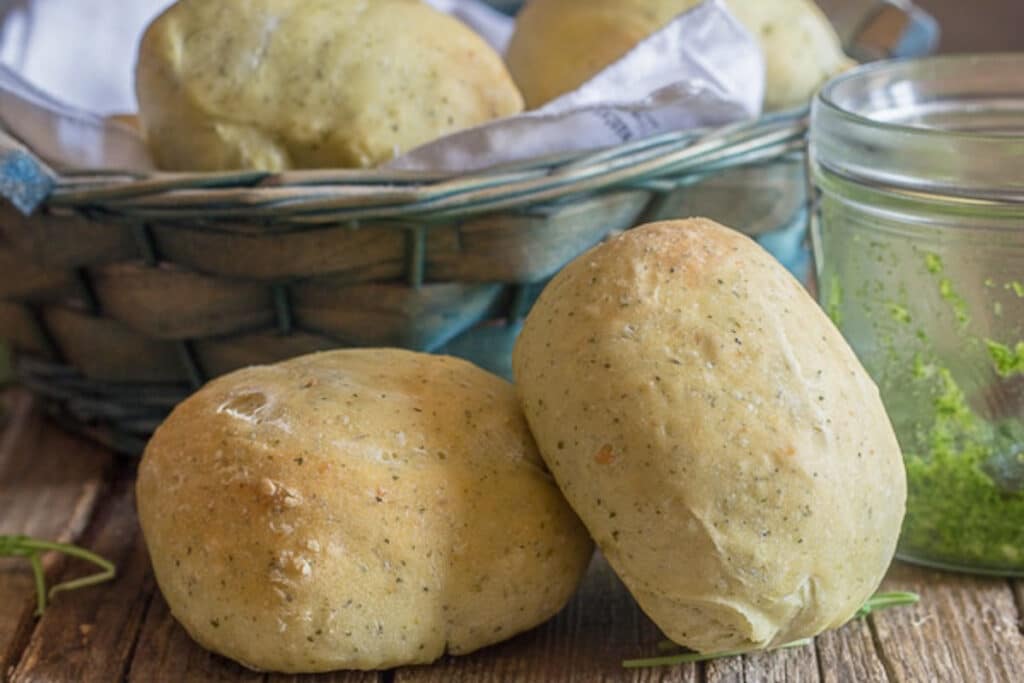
(849, 654)
(793, 665)
(585, 643)
(89, 635)
(964, 629)
(49, 484)
(166, 653)
(1018, 591)
(335, 677)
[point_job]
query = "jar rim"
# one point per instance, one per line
(827, 96)
(947, 128)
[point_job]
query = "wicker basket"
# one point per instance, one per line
(121, 294)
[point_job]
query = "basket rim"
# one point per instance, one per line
(305, 197)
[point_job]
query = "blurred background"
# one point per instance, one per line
(978, 25)
(968, 25)
(975, 26)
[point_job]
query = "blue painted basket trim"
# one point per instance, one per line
(788, 244)
(23, 181)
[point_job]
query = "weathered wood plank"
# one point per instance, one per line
(849, 654)
(1018, 590)
(794, 665)
(964, 629)
(89, 635)
(49, 485)
(335, 677)
(165, 652)
(585, 643)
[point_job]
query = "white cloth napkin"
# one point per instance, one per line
(81, 51)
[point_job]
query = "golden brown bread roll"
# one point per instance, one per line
(280, 84)
(355, 509)
(560, 44)
(715, 433)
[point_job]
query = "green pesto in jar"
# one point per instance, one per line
(1008, 362)
(918, 234)
(964, 502)
(965, 473)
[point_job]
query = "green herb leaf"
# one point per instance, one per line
(886, 600)
(32, 549)
(687, 657)
(878, 602)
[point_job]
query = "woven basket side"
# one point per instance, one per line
(513, 246)
(19, 326)
(220, 355)
(167, 302)
(755, 199)
(123, 415)
(389, 315)
(533, 244)
(124, 294)
(365, 251)
(324, 197)
(107, 350)
(24, 280)
(65, 239)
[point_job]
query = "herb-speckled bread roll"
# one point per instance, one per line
(280, 84)
(560, 44)
(355, 510)
(715, 433)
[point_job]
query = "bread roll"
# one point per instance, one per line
(280, 84)
(355, 509)
(560, 44)
(715, 433)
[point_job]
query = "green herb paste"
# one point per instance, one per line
(1008, 362)
(834, 308)
(935, 266)
(965, 473)
(961, 475)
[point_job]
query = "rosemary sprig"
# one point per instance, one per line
(878, 602)
(687, 657)
(886, 600)
(32, 549)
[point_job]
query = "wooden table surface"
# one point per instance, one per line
(56, 486)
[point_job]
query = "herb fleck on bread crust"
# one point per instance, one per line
(726, 450)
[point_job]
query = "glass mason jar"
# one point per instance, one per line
(919, 245)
